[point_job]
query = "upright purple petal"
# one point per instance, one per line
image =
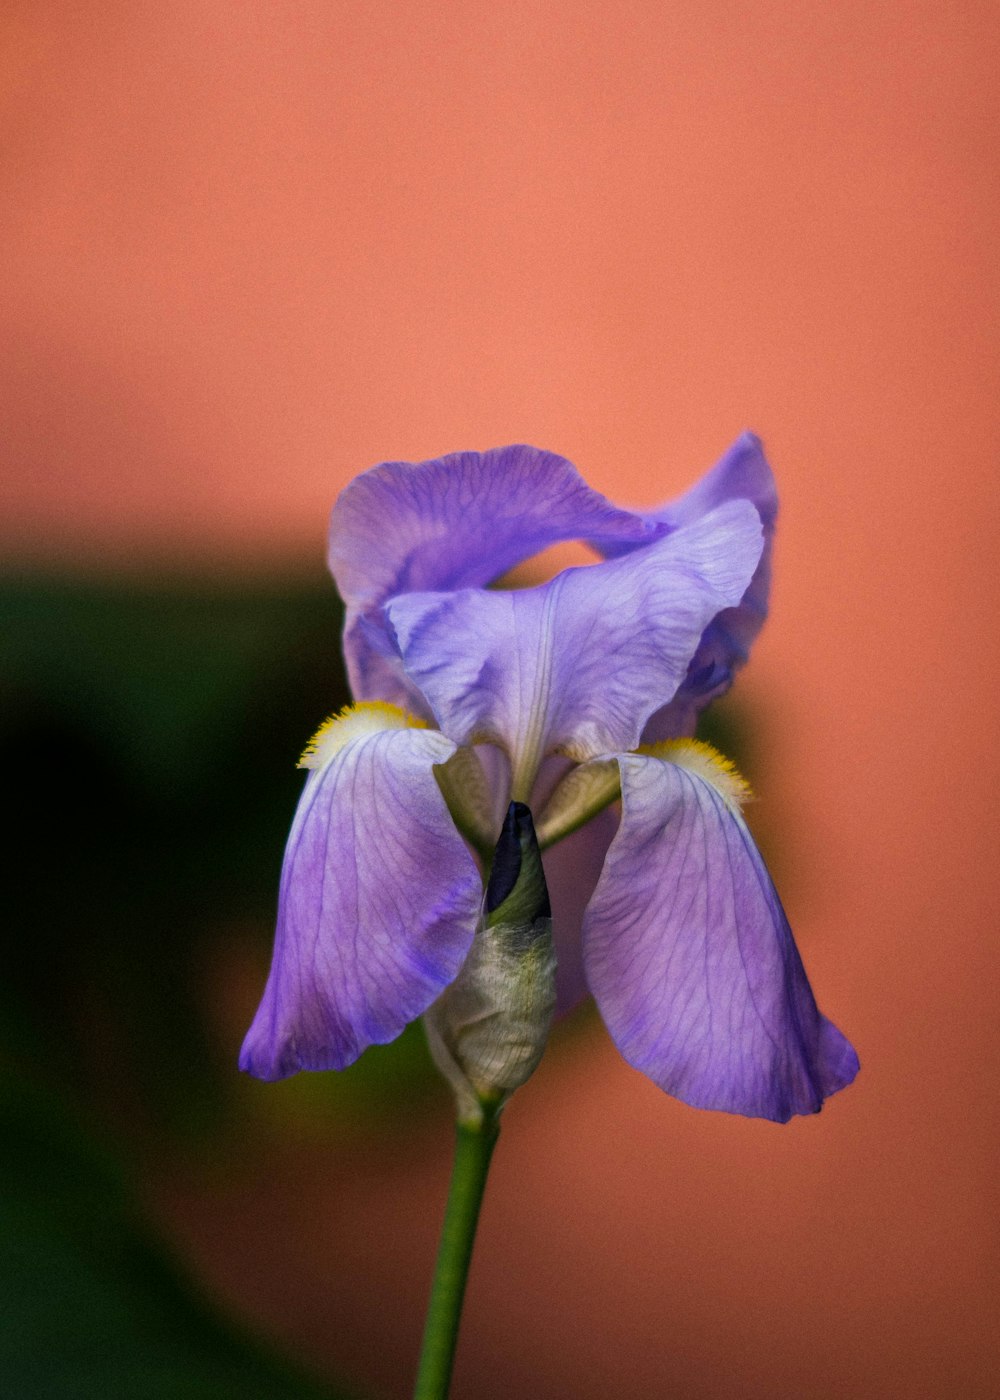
(456, 522)
(741, 474)
(691, 960)
(462, 520)
(378, 906)
(579, 664)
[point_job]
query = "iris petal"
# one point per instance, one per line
(455, 522)
(741, 474)
(691, 960)
(378, 906)
(579, 664)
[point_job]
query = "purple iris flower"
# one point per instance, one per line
(566, 697)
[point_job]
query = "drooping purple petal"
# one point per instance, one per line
(691, 960)
(578, 664)
(378, 906)
(741, 474)
(456, 522)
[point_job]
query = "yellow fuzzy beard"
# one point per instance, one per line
(354, 722)
(707, 763)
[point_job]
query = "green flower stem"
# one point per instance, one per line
(473, 1149)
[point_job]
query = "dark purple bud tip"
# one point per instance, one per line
(516, 878)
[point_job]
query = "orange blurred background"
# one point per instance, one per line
(250, 250)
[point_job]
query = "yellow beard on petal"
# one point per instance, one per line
(355, 722)
(707, 763)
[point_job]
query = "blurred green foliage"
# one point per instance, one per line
(152, 734)
(93, 1308)
(149, 738)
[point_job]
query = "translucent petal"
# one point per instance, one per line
(585, 790)
(465, 788)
